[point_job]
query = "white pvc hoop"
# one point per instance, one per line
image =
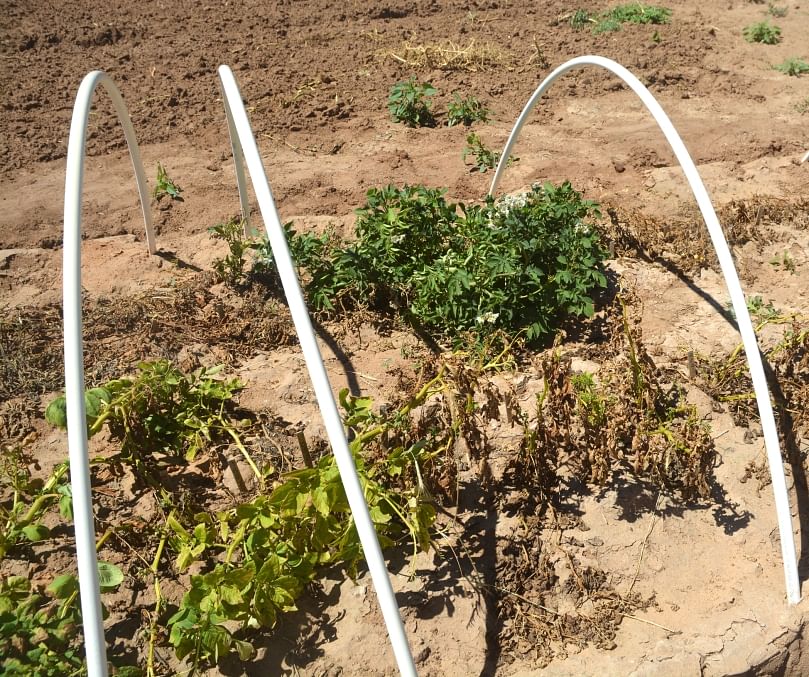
(238, 162)
(239, 126)
(84, 524)
(728, 268)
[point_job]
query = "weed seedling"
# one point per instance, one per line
(231, 269)
(466, 111)
(793, 66)
(784, 261)
(776, 11)
(409, 103)
(165, 186)
(762, 312)
(580, 18)
(803, 106)
(763, 32)
(632, 13)
(485, 158)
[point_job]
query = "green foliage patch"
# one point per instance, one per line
(466, 111)
(793, 66)
(763, 32)
(520, 264)
(631, 13)
(409, 103)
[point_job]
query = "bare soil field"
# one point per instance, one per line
(595, 502)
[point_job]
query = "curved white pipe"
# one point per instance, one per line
(238, 162)
(731, 280)
(805, 157)
(317, 373)
(83, 522)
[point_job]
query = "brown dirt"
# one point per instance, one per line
(315, 77)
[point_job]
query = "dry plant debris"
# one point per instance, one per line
(449, 56)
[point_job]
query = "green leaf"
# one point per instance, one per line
(109, 576)
(56, 413)
(64, 586)
(36, 532)
(65, 502)
(320, 499)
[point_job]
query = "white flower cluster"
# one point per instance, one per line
(487, 317)
(396, 239)
(509, 202)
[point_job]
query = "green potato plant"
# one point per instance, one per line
(409, 103)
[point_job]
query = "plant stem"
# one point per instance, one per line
(246, 455)
(150, 671)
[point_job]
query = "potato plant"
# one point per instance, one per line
(520, 264)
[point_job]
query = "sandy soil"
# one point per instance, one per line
(315, 78)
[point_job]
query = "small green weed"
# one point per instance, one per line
(231, 268)
(793, 66)
(784, 261)
(763, 32)
(760, 311)
(592, 403)
(466, 111)
(632, 13)
(776, 11)
(803, 106)
(485, 158)
(165, 186)
(410, 104)
(580, 18)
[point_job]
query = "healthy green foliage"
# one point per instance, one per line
(39, 633)
(793, 66)
(409, 103)
(519, 264)
(466, 111)
(251, 257)
(485, 158)
(165, 186)
(632, 13)
(304, 248)
(763, 32)
(161, 410)
(264, 552)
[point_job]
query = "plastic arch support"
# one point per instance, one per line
(95, 649)
(238, 161)
(240, 130)
(731, 280)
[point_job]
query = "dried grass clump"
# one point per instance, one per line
(449, 56)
